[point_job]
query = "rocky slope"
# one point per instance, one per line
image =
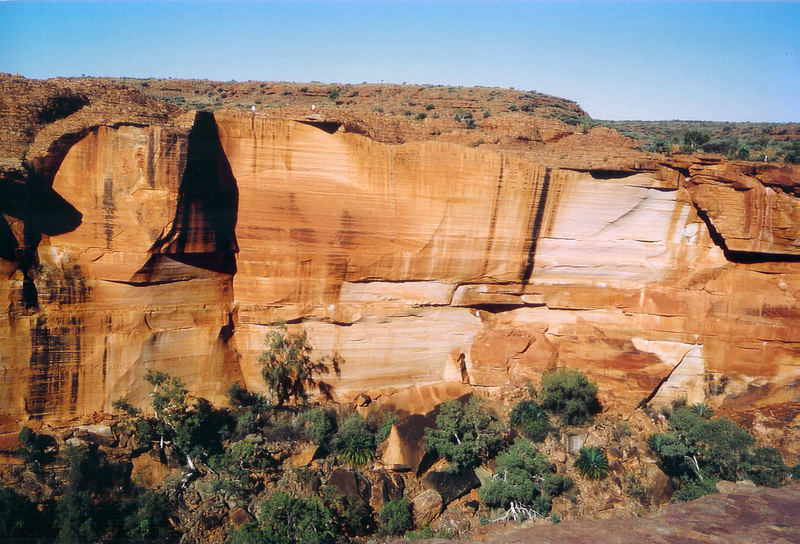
(138, 236)
(743, 515)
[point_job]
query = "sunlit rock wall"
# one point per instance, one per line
(421, 264)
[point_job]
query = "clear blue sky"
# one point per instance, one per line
(732, 61)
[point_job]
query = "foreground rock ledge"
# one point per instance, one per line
(743, 516)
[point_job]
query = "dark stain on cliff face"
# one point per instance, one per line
(493, 222)
(54, 362)
(203, 233)
(536, 226)
(109, 210)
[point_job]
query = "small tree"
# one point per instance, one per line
(289, 370)
(287, 520)
(693, 139)
(570, 394)
(396, 517)
(524, 478)
(464, 435)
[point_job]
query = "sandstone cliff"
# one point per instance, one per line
(139, 236)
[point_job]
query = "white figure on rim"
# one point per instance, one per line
(313, 108)
(253, 108)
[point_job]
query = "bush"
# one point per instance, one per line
(77, 519)
(396, 517)
(569, 394)
(32, 448)
(699, 452)
(420, 534)
(317, 425)
(286, 520)
(592, 463)
(149, 519)
(530, 419)
(690, 491)
(464, 434)
(18, 516)
(420, 116)
(355, 442)
(525, 478)
(333, 94)
(385, 427)
(766, 467)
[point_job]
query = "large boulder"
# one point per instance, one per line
(405, 447)
(426, 507)
(450, 486)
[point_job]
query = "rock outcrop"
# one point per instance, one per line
(741, 516)
(174, 241)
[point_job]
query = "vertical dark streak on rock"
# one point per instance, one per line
(109, 209)
(537, 226)
(73, 394)
(493, 222)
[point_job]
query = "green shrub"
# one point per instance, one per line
(149, 519)
(795, 471)
(420, 116)
(698, 452)
(18, 516)
(569, 394)
(284, 519)
(464, 434)
(592, 463)
(530, 419)
(692, 490)
(702, 410)
(396, 517)
(77, 519)
(32, 446)
(318, 425)
(355, 442)
(333, 94)
(766, 467)
(385, 427)
(525, 478)
(420, 534)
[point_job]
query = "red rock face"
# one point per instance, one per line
(422, 264)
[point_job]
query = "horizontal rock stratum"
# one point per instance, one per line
(139, 236)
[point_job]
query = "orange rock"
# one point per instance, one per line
(171, 240)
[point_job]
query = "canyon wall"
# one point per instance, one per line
(422, 263)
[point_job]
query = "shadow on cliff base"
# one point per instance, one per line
(203, 234)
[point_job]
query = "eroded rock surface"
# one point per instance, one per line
(139, 236)
(742, 516)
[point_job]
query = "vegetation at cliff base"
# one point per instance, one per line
(569, 394)
(526, 478)
(700, 449)
(592, 463)
(464, 434)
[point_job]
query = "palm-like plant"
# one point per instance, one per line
(592, 463)
(355, 442)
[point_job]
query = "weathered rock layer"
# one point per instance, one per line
(179, 241)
